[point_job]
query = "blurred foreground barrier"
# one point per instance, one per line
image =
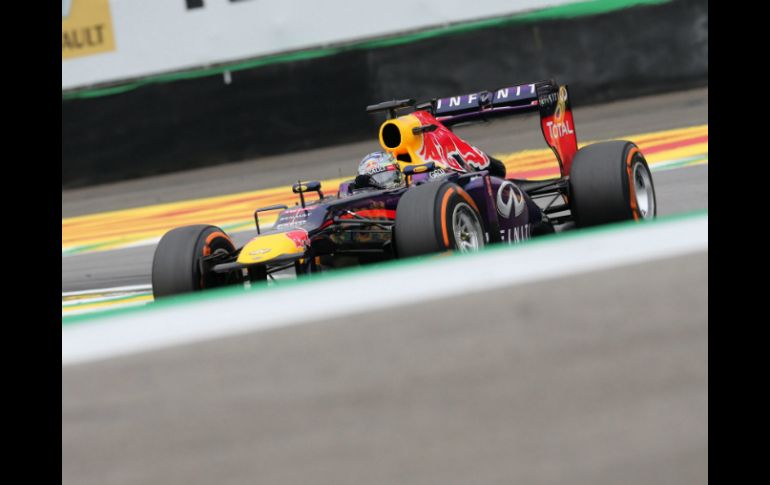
(170, 123)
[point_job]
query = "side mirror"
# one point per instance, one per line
(302, 187)
(410, 170)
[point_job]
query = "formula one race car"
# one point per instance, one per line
(453, 197)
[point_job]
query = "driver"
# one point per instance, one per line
(379, 170)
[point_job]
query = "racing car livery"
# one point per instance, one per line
(454, 197)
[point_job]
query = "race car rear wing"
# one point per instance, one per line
(547, 97)
(486, 104)
(470, 107)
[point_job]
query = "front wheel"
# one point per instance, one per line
(176, 265)
(611, 182)
(437, 216)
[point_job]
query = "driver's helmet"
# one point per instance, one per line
(380, 170)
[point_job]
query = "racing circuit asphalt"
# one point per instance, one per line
(597, 378)
(678, 191)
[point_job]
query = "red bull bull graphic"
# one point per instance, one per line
(299, 237)
(443, 147)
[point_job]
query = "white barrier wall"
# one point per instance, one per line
(112, 40)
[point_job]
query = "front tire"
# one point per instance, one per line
(176, 268)
(611, 182)
(435, 217)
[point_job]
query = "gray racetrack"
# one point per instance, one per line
(599, 378)
(678, 190)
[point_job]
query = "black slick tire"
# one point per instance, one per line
(610, 182)
(175, 265)
(425, 220)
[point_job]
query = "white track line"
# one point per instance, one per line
(169, 325)
(115, 289)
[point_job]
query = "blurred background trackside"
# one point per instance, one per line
(157, 86)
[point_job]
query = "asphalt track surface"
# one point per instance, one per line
(677, 190)
(597, 378)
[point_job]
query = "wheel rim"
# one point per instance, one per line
(644, 192)
(467, 229)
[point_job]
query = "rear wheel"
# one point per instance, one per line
(437, 216)
(611, 182)
(176, 264)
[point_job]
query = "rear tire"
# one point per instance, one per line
(611, 182)
(435, 217)
(175, 266)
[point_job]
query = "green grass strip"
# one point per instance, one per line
(572, 10)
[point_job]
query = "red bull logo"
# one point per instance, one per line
(441, 145)
(298, 237)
